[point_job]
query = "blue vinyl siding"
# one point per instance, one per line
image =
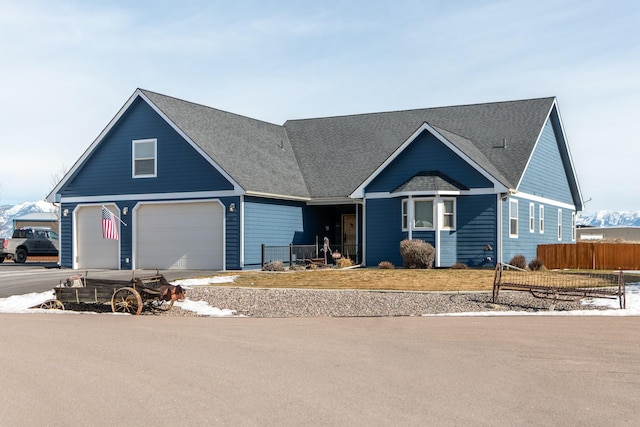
(108, 169)
(384, 231)
(477, 228)
(66, 229)
(546, 175)
(272, 223)
(527, 242)
(232, 233)
(448, 248)
(427, 153)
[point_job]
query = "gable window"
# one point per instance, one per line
(145, 164)
(532, 217)
(559, 224)
(448, 217)
(513, 218)
(423, 214)
(541, 219)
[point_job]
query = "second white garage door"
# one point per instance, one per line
(180, 235)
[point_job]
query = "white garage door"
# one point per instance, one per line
(92, 251)
(180, 235)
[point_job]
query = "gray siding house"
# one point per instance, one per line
(201, 188)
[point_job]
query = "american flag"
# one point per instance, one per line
(109, 225)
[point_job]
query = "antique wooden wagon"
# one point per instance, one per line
(124, 296)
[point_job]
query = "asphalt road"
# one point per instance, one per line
(18, 279)
(98, 369)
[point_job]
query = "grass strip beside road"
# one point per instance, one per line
(443, 280)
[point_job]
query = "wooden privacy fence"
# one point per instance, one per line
(591, 256)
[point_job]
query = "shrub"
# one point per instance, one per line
(459, 266)
(417, 254)
(273, 266)
(386, 265)
(518, 261)
(344, 263)
(536, 265)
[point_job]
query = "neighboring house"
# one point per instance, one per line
(628, 234)
(202, 188)
(37, 219)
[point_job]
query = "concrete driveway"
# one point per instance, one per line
(18, 279)
(103, 370)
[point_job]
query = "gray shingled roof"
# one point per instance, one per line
(256, 154)
(336, 154)
(430, 181)
(333, 156)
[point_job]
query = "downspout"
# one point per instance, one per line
(436, 222)
(364, 231)
(241, 245)
(499, 240)
(410, 216)
(501, 198)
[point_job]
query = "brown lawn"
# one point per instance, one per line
(369, 279)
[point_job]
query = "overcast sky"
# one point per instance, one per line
(68, 66)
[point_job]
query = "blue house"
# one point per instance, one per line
(200, 188)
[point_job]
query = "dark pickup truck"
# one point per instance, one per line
(29, 241)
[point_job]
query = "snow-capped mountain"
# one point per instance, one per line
(9, 212)
(610, 219)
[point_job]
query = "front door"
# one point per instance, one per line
(349, 248)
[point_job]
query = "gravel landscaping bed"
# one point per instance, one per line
(347, 303)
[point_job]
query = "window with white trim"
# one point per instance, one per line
(420, 214)
(513, 218)
(573, 226)
(532, 217)
(541, 220)
(559, 224)
(144, 158)
(448, 214)
(405, 214)
(423, 214)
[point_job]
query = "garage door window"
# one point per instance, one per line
(145, 158)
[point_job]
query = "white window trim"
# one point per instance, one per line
(405, 215)
(133, 158)
(413, 214)
(512, 203)
(408, 210)
(532, 217)
(559, 225)
(573, 226)
(541, 220)
(455, 219)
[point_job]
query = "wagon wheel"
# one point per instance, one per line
(52, 304)
(162, 305)
(126, 300)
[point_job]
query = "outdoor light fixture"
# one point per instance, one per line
(65, 212)
(232, 207)
(125, 210)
